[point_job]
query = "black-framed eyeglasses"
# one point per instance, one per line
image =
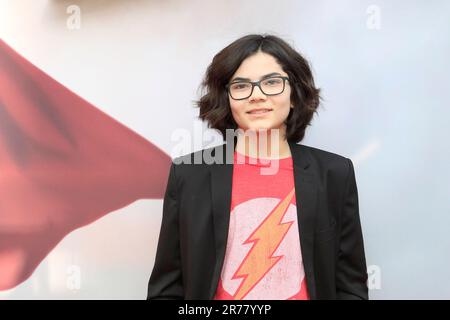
(272, 86)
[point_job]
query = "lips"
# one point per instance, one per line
(259, 111)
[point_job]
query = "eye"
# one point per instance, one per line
(239, 85)
(273, 81)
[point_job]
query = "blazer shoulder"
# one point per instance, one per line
(323, 154)
(327, 160)
(200, 157)
(197, 162)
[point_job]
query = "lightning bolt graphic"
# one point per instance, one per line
(266, 239)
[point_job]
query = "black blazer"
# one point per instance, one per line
(194, 228)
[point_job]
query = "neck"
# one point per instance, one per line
(266, 144)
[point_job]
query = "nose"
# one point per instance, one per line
(257, 94)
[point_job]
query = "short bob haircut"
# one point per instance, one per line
(305, 97)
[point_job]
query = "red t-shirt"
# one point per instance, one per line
(263, 258)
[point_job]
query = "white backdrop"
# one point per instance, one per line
(384, 70)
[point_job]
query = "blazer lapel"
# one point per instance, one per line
(306, 197)
(221, 184)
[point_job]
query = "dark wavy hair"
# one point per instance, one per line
(305, 97)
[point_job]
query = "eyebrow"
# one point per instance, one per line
(263, 77)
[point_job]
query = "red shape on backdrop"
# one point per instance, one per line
(63, 165)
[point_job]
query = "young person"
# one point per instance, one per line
(277, 219)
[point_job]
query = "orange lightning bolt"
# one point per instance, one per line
(266, 239)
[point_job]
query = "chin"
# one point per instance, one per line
(262, 126)
(258, 128)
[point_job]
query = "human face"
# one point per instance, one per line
(277, 107)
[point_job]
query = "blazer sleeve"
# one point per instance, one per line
(166, 278)
(351, 273)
